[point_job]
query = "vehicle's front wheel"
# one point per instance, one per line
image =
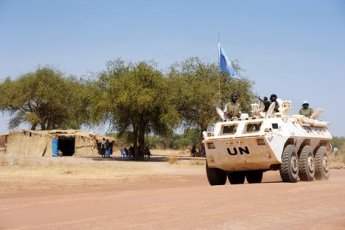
(321, 164)
(236, 177)
(215, 176)
(289, 165)
(306, 164)
(254, 176)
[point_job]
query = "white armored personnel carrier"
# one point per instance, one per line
(244, 148)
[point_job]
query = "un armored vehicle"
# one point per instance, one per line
(244, 148)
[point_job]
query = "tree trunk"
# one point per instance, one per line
(33, 126)
(141, 139)
(135, 141)
(142, 135)
(202, 128)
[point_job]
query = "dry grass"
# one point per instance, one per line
(87, 168)
(2, 161)
(22, 171)
(198, 162)
(339, 158)
(173, 160)
(70, 168)
(170, 152)
(337, 161)
(43, 173)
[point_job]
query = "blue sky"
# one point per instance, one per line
(295, 48)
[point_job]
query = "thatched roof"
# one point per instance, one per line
(62, 132)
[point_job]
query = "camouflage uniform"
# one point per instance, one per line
(232, 110)
(306, 112)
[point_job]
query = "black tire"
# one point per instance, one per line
(254, 176)
(321, 164)
(306, 163)
(236, 177)
(215, 176)
(289, 166)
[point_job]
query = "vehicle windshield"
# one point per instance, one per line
(253, 127)
(229, 129)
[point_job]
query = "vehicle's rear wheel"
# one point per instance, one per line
(289, 165)
(321, 164)
(236, 177)
(306, 164)
(254, 176)
(215, 176)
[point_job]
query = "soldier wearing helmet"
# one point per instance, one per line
(273, 98)
(305, 110)
(232, 109)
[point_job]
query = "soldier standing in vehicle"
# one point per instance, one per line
(305, 110)
(265, 103)
(273, 98)
(233, 108)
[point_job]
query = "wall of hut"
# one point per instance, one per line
(85, 146)
(3, 142)
(27, 143)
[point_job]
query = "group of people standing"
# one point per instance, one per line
(105, 148)
(195, 153)
(139, 153)
(232, 110)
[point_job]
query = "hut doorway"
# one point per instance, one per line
(66, 145)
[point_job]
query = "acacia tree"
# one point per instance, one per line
(134, 98)
(200, 87)
(45, 99)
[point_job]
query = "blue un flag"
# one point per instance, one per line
(225, 64)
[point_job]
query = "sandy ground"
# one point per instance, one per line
(164, 193)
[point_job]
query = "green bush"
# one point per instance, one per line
(338, 142)
(183, 140)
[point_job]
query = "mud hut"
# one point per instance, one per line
(32, 143)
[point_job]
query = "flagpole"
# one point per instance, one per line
(219, 75)
(218, 48)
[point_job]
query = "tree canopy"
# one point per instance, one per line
(135, 97)
(200, 87)
(44, 99)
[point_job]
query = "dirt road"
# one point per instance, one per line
(179, 198)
